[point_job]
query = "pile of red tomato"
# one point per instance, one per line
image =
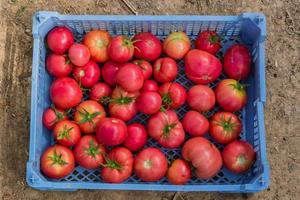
(122, 76)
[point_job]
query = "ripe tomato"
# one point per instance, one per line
(150, 86)
(149, 102)
(111, 131)
(166, 128)
(165, 70)
(208, 41)
(97, 41)
(225, 127)
(100, 92)
(120, 49)
(202, 67)
(109, 72)
(147, 46)
(150, 164)
(204, 156)
(118, 165)
(87, 75)
(58, 65)
(176, 45)
(66, 133)
(130, 77)
(179, 172)
(79, 54)
(231, 95)
(137, 137)
(145, 67)
(195, 123)
(173, 95)
(89, 153)
(57, 161)
(122, 104)
(51, 116)
(238, 156)
(60, 39)
(65, 93)
(237, 62)
(205, 93)
(87, 116)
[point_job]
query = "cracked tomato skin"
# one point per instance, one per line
(66, 133)
(150, 86)
(195, 123)
(120, 49)
(179, 172)
(208, 41)
(207, 96)
(79, 54)
(165, 70)
(60, 39)
(152, 100)
(145, 66)
(58, 65)
(87, 75)
(109, 72)
(137, 137)
(130, 77)
(173, 95)
(176, 45)
(53, 115)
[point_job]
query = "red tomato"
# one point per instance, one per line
(195, 123)
(87, 115)
(166, 128)
(51, 116)
(65, 93)
(58, 65)
(176, 45)
(57, 161)
(147, 46)
(111, 131)
(130, 77)
(118, 166)
(109, 72)
(237, 62)
(87, 75)
(150, 164)
(100, 92)
(89, 153)
(165, 70)
(208, 41)
(145, 66)
(238, 156)
(120, 49)
(150, 86)
(204, 93)
(66, 133)
(173, 95)
(137, 137)
(122, 104)
(79, 54)
(149, 102)
(231, 95)
(225, 127)
(202, 67)
(204, 156)
(179, 172)
(97, 41)
(60, 39)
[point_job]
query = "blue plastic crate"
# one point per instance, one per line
(248, 28)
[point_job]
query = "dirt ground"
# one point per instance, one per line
(282, 116)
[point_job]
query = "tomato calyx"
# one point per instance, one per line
(239, 86)
(65, 133)
(227, 125)
(59, 116)
(92, 150)
(57, 159)
(167, 129)
(138, 63)
(213, 39)
(167, 101)
(122, 100)
(87, 117)
(111, 164)
(127, 42)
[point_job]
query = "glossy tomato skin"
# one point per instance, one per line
(79, 54)
(195, 123)
(89, 153)
(173, 95)
(118, 166)
(123, 104)
(65, 93)
(150, 86)
(176, 45)
(148, 46)
(145, 66)
(66, 133)
(203, 155)
(130, 77)
(88, 114)
(208, 41)
(150, 164)
(225, 127)
(111, 131)
(97, 41)
(166, 128)
(237, 62)
(109, 72)
(57, 162)
(238, 156)
(120, 49)
(60, 39)
(51, 116)
(137, 137)
(58, 65)
(179, 172)
(231, 95)
(202, 67)
(165, 70)
(100, 92)
(205, 93)
(87, 75)
(152, 100)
